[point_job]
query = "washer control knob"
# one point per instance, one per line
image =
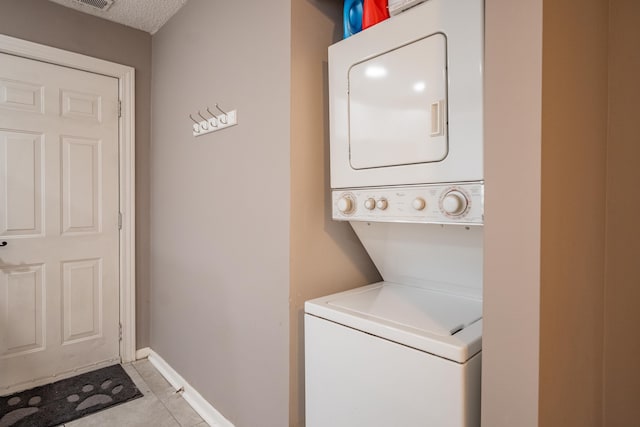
(419, 203)
(382, 204)
(454, 203)
(370, 204)
(345, 204)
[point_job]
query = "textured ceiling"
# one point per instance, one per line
(145, 15)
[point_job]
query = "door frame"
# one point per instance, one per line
(126, 89)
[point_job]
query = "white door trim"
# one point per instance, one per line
(126, 77)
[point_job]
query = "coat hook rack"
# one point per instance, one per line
(217, 121)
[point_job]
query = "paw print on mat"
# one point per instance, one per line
(20, 412)
(102, 396)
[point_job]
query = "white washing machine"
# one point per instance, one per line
(393, 355)
(404, 352)
(406, 172)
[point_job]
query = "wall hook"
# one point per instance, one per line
(213, 117)
(215, 122)
(223, 112)
(197, 128)
(204, 125)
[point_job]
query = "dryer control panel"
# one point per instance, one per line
(460, 203)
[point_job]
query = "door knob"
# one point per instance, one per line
(3, 244)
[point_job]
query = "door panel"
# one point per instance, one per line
(59, 273)
(23, 308)
(21, 96)
(82, 293)
(81, 159)
(22, 171)
(82, 106)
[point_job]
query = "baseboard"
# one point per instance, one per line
(190, 394)
(142, 353)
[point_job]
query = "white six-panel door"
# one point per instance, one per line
(59, 272)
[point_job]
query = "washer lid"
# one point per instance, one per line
(443, 324)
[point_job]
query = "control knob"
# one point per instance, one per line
(454, 203)
(382, 204)
(370, 204)
(419, 203)
(345, 204)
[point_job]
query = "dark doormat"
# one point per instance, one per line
(65, 400)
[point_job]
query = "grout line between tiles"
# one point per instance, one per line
(158, 397)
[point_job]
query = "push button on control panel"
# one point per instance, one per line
(419, 203)
(382, 204)
(370, 204)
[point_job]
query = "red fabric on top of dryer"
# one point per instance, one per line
(374, 11)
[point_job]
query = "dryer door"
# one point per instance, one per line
(405, 99)
(397, 106)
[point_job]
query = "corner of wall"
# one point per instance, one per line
(326, 256)
(513, 92)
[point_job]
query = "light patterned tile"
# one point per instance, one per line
(146, 411)
(153, 378)
(137, 379)
(181, 410)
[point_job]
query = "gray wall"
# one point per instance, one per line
(50, 24)
(220, 203)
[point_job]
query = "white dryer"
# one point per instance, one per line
(406, 98)
(406, 172)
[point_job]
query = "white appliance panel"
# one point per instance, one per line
(355, 379)
(398, 6)
(397, 105)
(436, 313)
(446, 325)
(454, 157)
(433, 204)
(439, 257)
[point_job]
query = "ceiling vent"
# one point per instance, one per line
(102, 5)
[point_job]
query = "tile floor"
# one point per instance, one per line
(160, 406)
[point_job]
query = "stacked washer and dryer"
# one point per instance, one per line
(406, 172)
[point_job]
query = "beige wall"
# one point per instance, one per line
(622, 291)
(513, 84)
(221, 206)
(326, 256)
(574, 136)
(588, 236)
(50, 24)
